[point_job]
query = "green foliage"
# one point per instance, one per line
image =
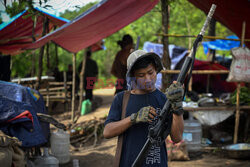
(244, 96)
(15, 8)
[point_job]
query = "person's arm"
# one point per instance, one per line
(113, 129)
(145, 114)
(175, 94)
(177, 128)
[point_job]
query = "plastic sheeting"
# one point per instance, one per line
(210, 118)
(220, 44)
(176, 55)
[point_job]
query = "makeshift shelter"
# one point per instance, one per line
(230, 13)
(18, 32)
(100, 21)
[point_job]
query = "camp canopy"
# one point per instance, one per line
(16, 34)
(100, 21)
(230, 13)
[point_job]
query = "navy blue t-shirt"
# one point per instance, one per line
(135, 136)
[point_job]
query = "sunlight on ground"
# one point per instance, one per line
(107, 96)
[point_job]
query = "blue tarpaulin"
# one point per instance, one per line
(18, 108)
(221, 44)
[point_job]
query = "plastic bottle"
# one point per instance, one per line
(192, 135)
(46, 160)
(86, 107)
(60, 145)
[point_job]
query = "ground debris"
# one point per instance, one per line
(87, 133)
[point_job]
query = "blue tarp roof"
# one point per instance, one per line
(4, 24)
(221, 44)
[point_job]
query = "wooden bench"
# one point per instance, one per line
(56, 92)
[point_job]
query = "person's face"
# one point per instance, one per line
(145, 78)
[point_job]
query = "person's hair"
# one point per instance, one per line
(126, 40)
(142, 63)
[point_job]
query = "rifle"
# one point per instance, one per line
(158, 133)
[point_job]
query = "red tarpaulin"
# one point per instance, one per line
(230, 13)
(17, 33)
(100, 21)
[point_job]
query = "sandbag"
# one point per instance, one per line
(10, 152)
(239, 69)
(177, 151)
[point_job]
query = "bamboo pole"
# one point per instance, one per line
(19, 38)
(190, 84)
(237, 116)
(73, 87)
(81, 86)
(197, 71)
(66, 90)
(205, 37)
(243, 33)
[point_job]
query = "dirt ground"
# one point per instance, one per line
(103, 153)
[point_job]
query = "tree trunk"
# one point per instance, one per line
(56, 51)
(212, 32)
(47, 53)
(40, 63)
(211, 55)
(165, 58)
(33, 65)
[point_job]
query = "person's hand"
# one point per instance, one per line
(175, 94)
(145, 114)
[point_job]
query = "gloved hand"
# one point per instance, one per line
(145, 114)
(175, 94)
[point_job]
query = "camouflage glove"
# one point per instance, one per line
(141, 116)
(175, 94)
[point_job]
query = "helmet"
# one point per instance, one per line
(140, 54)
(136, 56)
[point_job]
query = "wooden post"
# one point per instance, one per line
(65, 89)
(73, 87)
(190, 84)
(81, 86)
(243, 33)
(48, 94)
(165, 57)
(237, 116)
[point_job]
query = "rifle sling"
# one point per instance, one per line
(120, 137)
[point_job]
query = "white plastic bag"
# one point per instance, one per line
(240, 67)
